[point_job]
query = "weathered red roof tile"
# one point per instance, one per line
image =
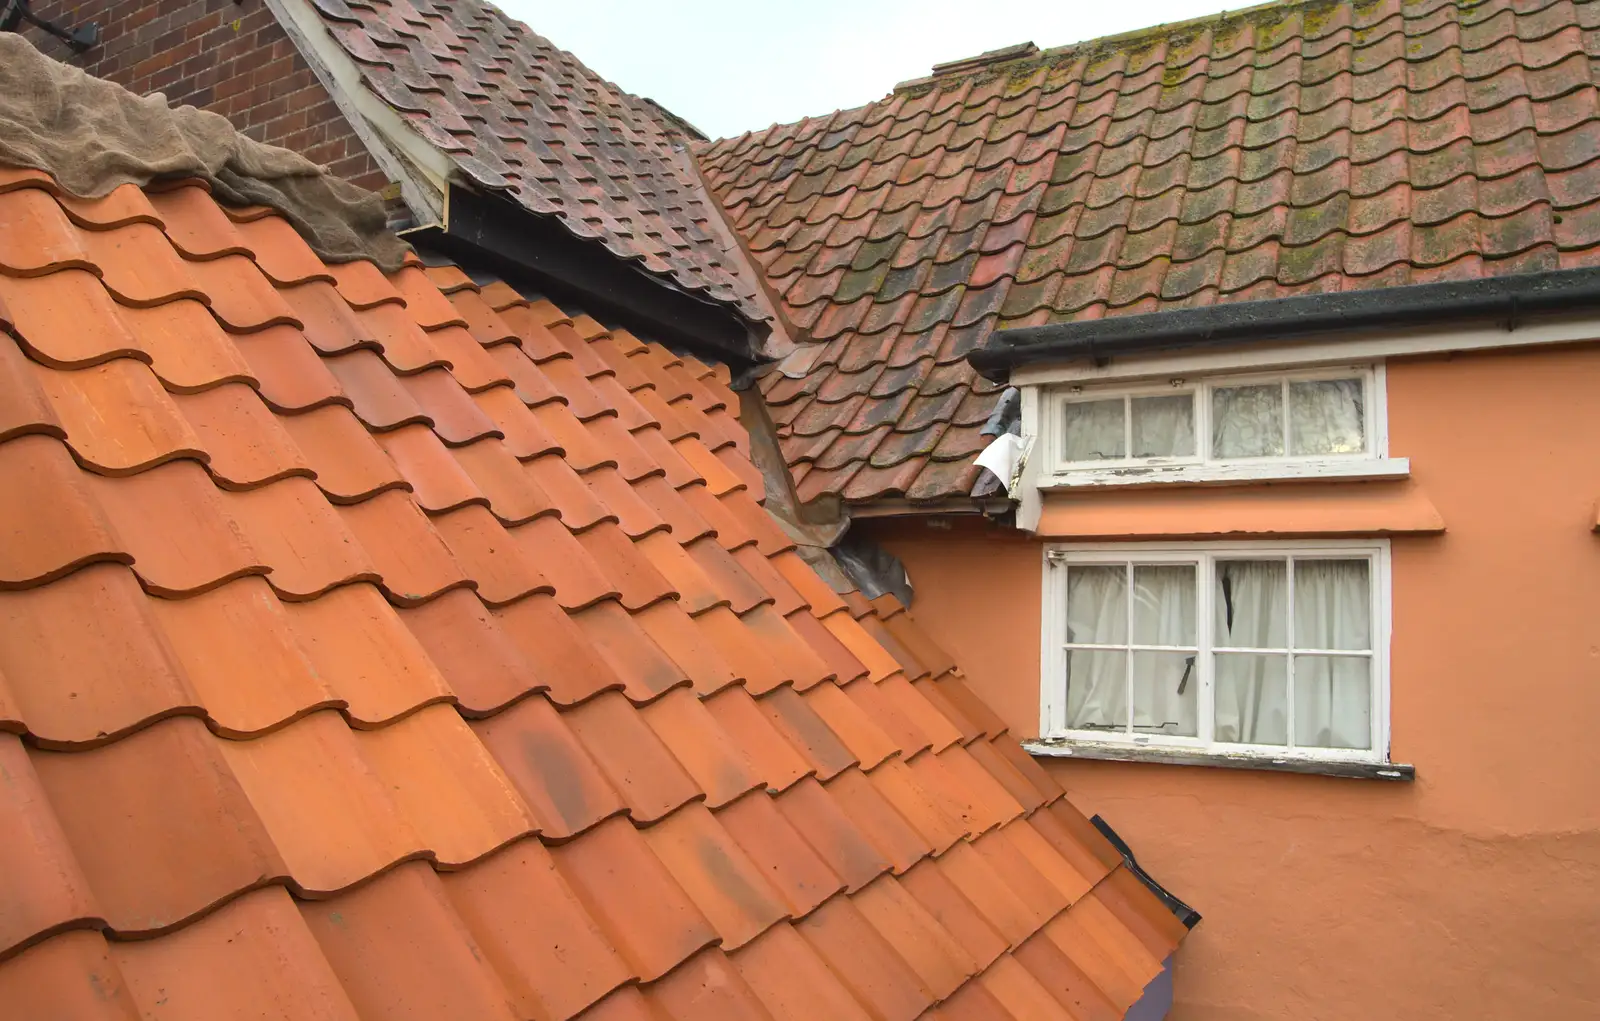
(520, 117)
(1234, 158)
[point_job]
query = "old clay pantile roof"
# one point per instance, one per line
(519, 116)
(399, 647)
(1297, 147)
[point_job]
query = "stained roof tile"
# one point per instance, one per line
(1183, 165)
(517, 115)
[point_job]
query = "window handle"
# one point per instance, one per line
(1188, 668)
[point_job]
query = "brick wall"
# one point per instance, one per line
(229, 57)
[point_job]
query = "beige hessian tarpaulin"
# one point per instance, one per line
(93, 135)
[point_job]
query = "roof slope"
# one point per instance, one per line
(372, 651)
(517, 115)
(1298, 147)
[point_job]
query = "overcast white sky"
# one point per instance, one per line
(730, 66)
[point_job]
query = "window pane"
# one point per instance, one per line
(1252, 698)
(1332, 604)
(1097, 690)
(1163, 426)
(1326, 416)
(1097, 605)
(1333, 701)
(1247, 421)
(1252, 598)
(1163, 605)
(1165, 693)
(1094, 431)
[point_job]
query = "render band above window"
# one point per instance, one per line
(1329, 420)
(1266, 649)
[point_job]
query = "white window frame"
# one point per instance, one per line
(1201, 467)
(1052, 689)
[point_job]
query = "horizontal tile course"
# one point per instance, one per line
(1297, 147)
(332, 682)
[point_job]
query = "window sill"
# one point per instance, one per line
(1332, 469)
(1045, 748)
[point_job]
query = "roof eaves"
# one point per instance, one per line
(1508, 299)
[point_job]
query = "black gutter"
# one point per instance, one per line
(495, 233)
(1507, 300)
(1185, 914)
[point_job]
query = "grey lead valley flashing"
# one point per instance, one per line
(1507, 300)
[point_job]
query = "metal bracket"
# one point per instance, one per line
(15, 12)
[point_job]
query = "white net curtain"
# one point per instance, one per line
(1142, 674)
(1301, 418)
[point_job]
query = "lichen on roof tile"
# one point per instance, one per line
(1232, 158)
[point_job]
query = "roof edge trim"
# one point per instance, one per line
(1184, 913)
(423, 182)
(1509, 299)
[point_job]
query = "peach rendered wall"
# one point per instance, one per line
(1472, 893)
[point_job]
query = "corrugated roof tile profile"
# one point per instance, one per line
(392, 647)
(1292, 148)
(519, 116)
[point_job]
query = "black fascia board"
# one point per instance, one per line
(1507, 300)
(495, 233)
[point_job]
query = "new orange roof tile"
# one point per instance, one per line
(866, 963)
(637, 763)
(552, 957)
(724, 883)
(74, 688)
(481, 664)
(69, 975)
(241, 653)
(349, 463)
(772, 757)
(335, 690)
(436, 971)
(158, 823)
(255, 953)
(719, 767)
(629, 892)
(49, 889)
(687, 645)
(795, 870)
(941, 963)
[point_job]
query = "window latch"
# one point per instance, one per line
(1188, 668)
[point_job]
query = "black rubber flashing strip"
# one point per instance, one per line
(494, 232)
(1185, 914)
(1505, 300)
